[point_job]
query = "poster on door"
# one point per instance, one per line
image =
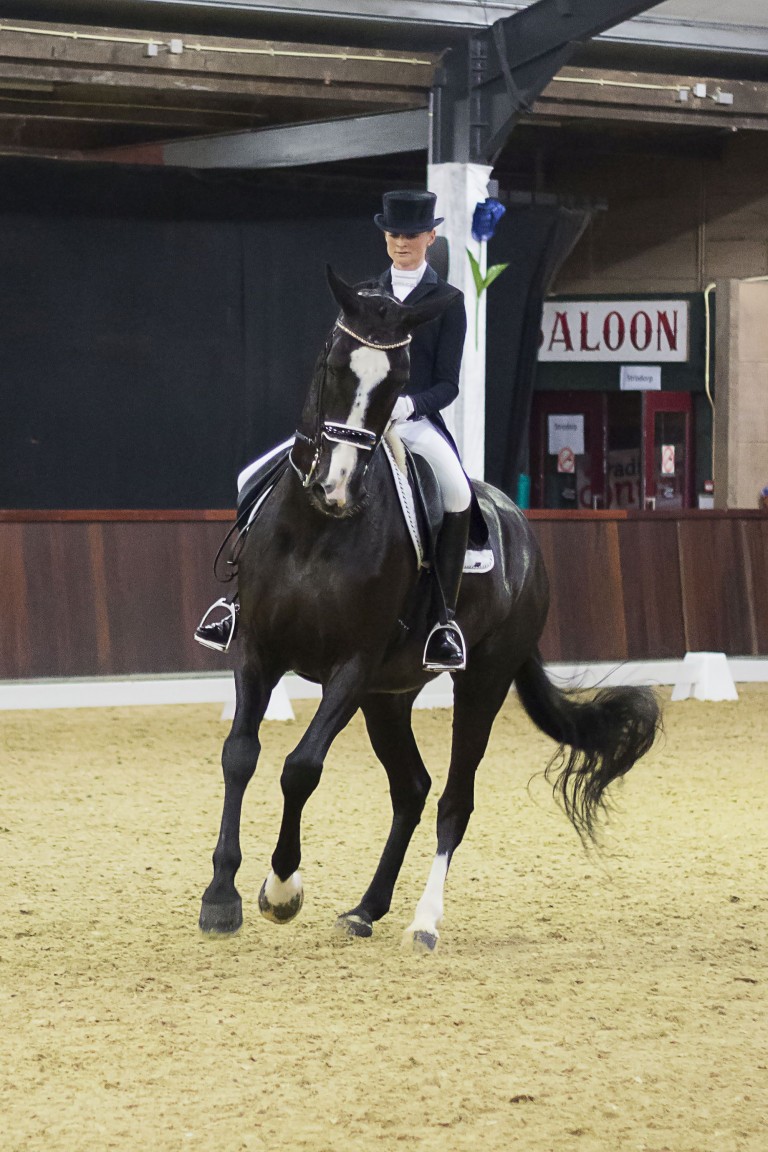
(623, 485)
(624, 479)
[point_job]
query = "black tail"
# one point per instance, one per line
(606, 735)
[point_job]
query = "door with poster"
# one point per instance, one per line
(568, 450)
(668, 450)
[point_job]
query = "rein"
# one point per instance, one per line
(328, 429)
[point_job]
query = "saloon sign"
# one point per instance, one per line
(631, 331)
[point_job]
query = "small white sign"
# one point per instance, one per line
(566, 432)
(640, 378)
(667, 459)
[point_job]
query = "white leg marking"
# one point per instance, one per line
(371, 366)
(429, 910)
(280, 892)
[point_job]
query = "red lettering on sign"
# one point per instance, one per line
(634, 331)
(561, 325)
(621, 330)
(585, 345)
(671, 335)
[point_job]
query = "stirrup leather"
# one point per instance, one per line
(231, 620)
(435, 667)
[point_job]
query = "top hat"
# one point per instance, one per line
(408, 213)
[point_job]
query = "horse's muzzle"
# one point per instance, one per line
(334, 503)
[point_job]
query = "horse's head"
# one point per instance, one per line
(356, 384)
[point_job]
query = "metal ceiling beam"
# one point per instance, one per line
(486, 87)
(300, 144)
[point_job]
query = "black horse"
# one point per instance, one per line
(326, 577)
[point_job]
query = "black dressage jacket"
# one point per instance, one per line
(436, 350)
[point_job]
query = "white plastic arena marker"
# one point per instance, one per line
(279, 707)
(705, 676)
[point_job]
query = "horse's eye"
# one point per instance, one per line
(382, 310)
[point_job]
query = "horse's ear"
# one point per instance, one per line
(344, 294)
(429, 308)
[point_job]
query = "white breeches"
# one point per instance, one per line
(424, 438)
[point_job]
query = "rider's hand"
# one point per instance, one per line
(402, 410)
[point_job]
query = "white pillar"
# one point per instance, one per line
(458, 188)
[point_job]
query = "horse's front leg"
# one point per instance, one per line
(222, 909)
(282, 895)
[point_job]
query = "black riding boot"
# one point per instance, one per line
(220, 633)
(445, 649)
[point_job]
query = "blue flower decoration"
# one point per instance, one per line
(485, 218)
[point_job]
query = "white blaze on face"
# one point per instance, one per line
(371, 366)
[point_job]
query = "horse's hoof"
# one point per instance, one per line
(222, 919)
(281, 900)
(352, 924)
(420, 941)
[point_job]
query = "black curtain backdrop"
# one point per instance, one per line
(535, 240)
(158, 327)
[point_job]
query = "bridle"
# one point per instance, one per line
(328, 429)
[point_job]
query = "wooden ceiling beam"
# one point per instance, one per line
(598, 93)
(114, 53)
(373, 97)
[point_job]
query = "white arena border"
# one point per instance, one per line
(218, 688)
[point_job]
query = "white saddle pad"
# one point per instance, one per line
(474, 561)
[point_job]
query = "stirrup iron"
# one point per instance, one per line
(435, 667)
(230, 619)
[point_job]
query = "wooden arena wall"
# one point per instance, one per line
(119, 593)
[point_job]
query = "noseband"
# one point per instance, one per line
(339, 433)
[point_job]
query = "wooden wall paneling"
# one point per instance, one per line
(15, 655)
(586, 620)
(141, 573)
(715, 587)
(653, 599)
(60, 604)
(99, 587)
(753, 540)
(123, 596)
(160, 588)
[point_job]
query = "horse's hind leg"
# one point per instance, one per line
(478, 695)
(222, 909)
(388, 719)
